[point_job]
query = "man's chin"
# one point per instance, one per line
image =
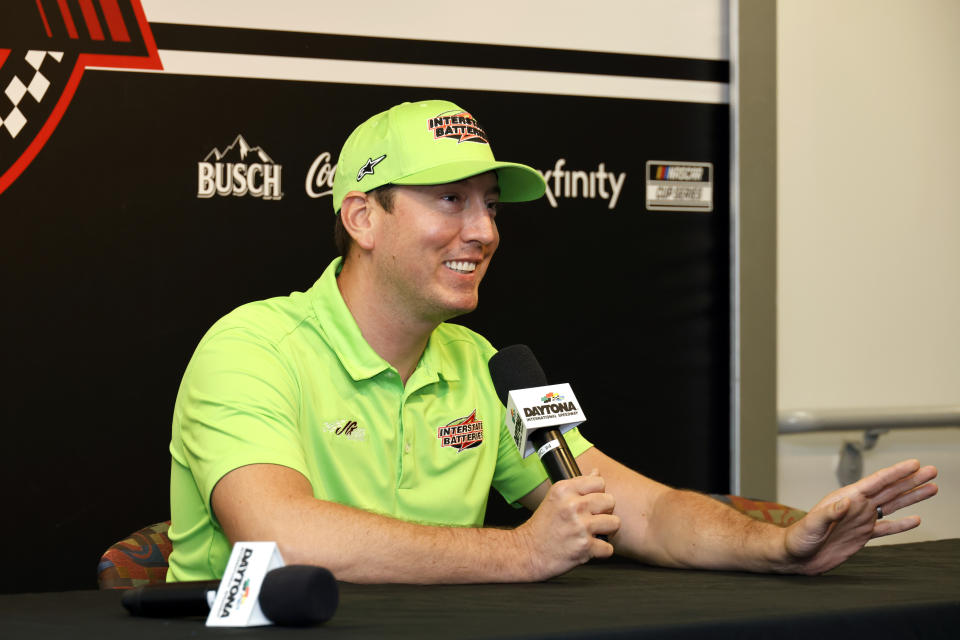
(454, 311)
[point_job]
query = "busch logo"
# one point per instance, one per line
(233, 173)
(320, 176)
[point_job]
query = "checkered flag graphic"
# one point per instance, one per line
(31, 81)
(45, 45)
(36, 86)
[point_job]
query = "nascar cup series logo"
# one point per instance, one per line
(239, 170)
(462, 433)
(459, 126)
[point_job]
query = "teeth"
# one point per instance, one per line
(461, 266)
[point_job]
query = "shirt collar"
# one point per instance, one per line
(355, 354)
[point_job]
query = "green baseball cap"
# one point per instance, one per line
(429, 142)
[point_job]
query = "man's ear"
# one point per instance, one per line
(355, 213)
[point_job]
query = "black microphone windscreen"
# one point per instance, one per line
(169, 600)
(515, 367)
(299, 595)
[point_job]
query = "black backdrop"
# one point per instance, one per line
(112, 269)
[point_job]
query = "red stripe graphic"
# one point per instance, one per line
(43, 16)
(68, 19)
(84, 60)
(118, 30)
(3, 56)
(90, 17)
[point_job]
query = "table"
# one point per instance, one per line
(896, 591)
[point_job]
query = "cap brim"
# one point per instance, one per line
(518, 182)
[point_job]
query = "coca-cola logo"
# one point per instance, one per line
(319, 180)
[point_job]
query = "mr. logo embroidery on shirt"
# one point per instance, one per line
(462, 433)
(346, 429)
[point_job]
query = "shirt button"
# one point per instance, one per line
(406, 447)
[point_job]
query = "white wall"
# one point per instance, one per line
(686, 28)
(869, 232)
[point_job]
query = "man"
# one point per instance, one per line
(315, 420)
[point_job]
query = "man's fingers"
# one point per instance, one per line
(604, 523)
(890, 527)
(910, 497)
(904, 486)
(583, 485)
(600, 548)
(807, 535)
(880, 480)
(599, 502)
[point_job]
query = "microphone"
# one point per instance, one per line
(295, 595)
(514, 368)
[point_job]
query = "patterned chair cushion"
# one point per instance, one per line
(137, 560)
(774, 512)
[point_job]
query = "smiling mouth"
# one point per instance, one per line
(461, 266)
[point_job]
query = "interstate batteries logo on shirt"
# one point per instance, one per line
(462, 433)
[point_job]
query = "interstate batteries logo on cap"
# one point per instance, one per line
(459, 125)
(462, 433)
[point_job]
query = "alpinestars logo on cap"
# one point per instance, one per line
(462, 433)
(44, 47)
(367, 168)
(460, 126)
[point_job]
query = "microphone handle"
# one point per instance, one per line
(556, 457)
(170, 600)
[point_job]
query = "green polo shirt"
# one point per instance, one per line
(291, 381)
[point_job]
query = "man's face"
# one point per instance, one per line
(433, 249)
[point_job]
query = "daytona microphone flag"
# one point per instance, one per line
(552, 405)
(237, 603)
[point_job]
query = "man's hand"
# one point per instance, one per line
(561, 533)
(846, 519)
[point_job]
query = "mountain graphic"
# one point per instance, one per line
(238, 151)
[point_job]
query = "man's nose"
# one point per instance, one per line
(480, 225)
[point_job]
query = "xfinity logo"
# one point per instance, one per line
(600, 183)
(239, 170)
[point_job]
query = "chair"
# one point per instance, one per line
(772, 512)
(139, 559)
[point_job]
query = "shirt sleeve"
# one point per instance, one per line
(238, 405)
(516, 476)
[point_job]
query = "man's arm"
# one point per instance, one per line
(272, 502)
(674, 528)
